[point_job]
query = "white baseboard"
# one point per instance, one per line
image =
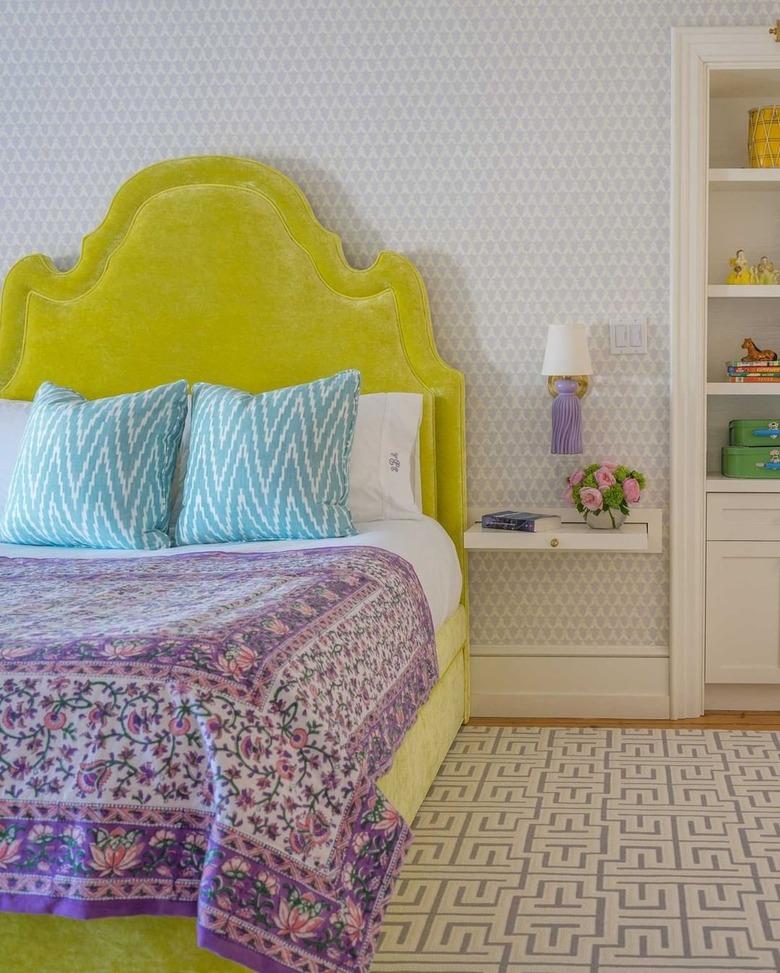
(628, 687)
(589, 649)
(740, 697)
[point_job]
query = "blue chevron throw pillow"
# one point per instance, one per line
(270, 466)
(96, 473)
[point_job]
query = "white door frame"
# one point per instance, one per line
(695, 52)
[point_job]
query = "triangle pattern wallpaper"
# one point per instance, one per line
(517, 152)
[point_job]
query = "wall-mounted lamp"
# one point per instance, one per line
(567, 365)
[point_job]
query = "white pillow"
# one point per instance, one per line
(13, 419)
(384, 471)
(384, 475)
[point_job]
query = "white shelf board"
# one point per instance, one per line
(743, 290)
(717, 483)
(744, 178)
(762, 84)
(641, 534)
(743, 388)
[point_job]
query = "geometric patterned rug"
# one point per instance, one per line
(558, 850)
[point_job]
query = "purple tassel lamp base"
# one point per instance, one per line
(566, 418)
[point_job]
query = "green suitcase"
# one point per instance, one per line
(754, 432)
(751, 462)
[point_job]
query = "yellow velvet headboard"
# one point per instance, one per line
(215, 269)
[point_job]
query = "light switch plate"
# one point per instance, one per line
(628, 336)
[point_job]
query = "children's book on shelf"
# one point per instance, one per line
(755, 371)
(520, 520)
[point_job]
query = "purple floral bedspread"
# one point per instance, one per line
(201, 734)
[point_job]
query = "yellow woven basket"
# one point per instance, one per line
(764, 137)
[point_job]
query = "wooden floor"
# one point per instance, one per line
(714, 720)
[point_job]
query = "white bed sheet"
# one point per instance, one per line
(422, 542)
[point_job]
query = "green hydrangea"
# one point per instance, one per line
(640, 478)
(590, 480)
(591, 468)
(613, 496)
(621, 473)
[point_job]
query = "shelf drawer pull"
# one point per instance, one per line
(554, 542)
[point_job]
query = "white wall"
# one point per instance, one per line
(518, 152)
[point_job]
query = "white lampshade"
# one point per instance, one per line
(567, 351)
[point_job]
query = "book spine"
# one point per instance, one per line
(499, 519)
(753, 371)
(747, 379)
(762, 363)
(753, 368)
(527, 526)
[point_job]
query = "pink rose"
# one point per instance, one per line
(631, 489)
(610, 466)
(604, 478)
(577, 477)
(591, 498)
(567, 496)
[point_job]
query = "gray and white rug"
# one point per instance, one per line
(543, 850)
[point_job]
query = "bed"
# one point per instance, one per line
(216, 269)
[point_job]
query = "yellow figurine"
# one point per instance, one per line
(740, 270)
(764, 273)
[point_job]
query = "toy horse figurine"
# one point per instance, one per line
(756, 354)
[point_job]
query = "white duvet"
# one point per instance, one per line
(422, 542)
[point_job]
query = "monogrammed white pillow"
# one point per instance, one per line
(13, 420)
(384, 470)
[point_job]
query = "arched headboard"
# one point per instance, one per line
(215, 269)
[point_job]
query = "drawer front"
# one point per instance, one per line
(743, 517)
(743, 623)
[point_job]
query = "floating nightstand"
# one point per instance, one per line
(641, 534)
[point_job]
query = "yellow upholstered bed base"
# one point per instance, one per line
(215, 269)
(425, 745)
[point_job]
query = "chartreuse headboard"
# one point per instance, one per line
(215, 269)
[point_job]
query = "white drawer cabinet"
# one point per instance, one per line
(743, 611)
(743, 517)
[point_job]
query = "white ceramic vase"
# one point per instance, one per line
(607, 519)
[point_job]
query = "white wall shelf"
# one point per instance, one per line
(744, 178)
(743, 388)
(743, 290)
(717, 483)
(641, 534)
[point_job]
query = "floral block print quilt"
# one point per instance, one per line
(202, 734)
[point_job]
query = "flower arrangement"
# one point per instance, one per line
(608, 487)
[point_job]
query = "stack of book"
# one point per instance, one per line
(520, 520)
(756, 371)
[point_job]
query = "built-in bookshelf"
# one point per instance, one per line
(724, 531)
(743, 213)
(742, 516)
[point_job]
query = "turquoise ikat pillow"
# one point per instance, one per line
(96, 473)
(270, 466)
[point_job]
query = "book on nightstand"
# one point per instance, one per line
(520, 520)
